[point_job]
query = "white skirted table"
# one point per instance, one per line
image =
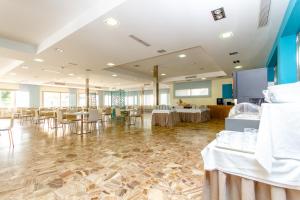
(193, 115)
(165, 118)
(271, 172)
(170, 118)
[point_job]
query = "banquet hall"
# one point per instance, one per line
(150, 100)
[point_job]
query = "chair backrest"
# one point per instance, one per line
(118, 112)
(93, 115)
(59, 115)
(7, 123)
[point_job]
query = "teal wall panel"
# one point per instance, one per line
(287, 60)
(227, 91)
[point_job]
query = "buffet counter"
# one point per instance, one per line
(218, 111)
(170, 118)
(269, 170)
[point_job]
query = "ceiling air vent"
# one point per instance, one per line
(218, 14)
(233, 53)
(264, 13)
(161, 51)
(147, 84)
(140, 40)
(59, 83)
(190, 77)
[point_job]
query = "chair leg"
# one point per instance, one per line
(11, 139)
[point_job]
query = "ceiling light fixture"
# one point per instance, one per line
(218, 14)
(163, 74)
(24, 67)
(59, 50)
(114, 75)
(71, 74)
(38, 60)
(226, 35)
(51, 71)
(111, 21)
(238, 67)
(110, 64)
(203, 78)
(182, 56)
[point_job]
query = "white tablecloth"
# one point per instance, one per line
(183, 110)
(285, 172)
(162, 111)
(279, 134)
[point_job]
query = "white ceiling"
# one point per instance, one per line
(177, 26)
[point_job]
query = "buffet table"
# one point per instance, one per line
(165, 118)
(193, 115)
(271, 171)
(170, 118)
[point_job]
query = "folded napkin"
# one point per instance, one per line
(285, 93)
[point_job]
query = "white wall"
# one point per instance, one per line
(216, 92)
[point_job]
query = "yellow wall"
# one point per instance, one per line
(216, 92)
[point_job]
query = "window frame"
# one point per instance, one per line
(43, 95)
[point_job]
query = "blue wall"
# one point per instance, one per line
(284, 52)
(227, 91)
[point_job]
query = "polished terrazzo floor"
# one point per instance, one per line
(117, 162)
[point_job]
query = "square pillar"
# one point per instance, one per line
(287, 60)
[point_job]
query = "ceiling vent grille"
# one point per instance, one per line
(190, 77)
(140, 40)
(59, 83)
(161, 51)
(264, 13)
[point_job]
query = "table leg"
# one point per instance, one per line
(81, 128)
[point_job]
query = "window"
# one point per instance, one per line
(82, 100)
(183, 93)
(200, 92)
(56, 99)
(192, 92)
(64, 99)
(148, 99)
(7, 98)
(22, 99)
(107, 99)
(93, 99)
(131, 98)
(164, 99)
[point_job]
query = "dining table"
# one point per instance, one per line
(82, 114)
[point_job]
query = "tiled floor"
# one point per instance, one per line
(118, 162)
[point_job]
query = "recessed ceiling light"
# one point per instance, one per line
(24, 67)
(182, 56)
(238, 67)
(12, 74)
(51, 71)
(203, 78)
(226, 35)
(114, 75)
(110, 64)
(38, 60)
(111, 21)
(59, 50)
(71, 74)
(163, 74)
